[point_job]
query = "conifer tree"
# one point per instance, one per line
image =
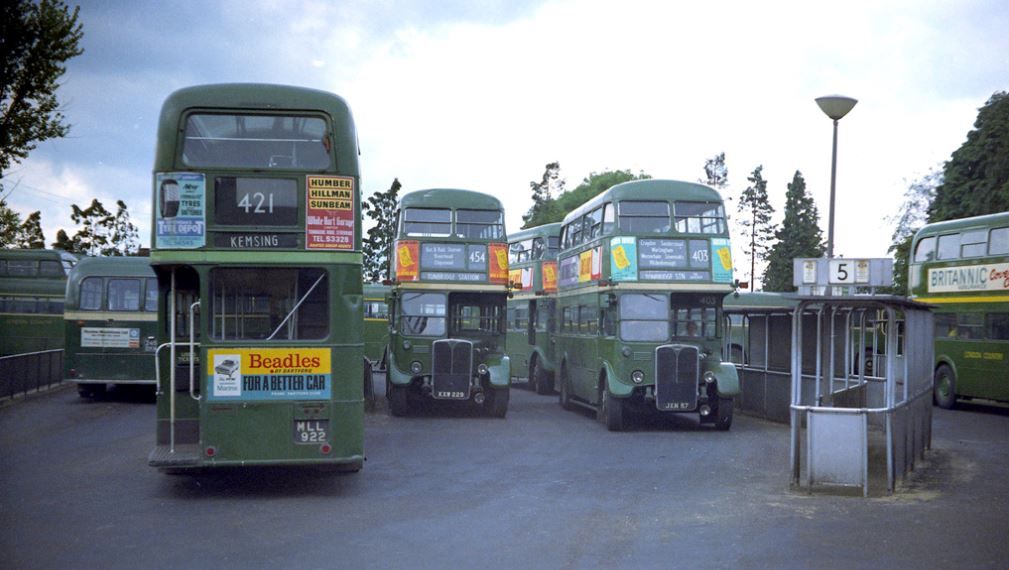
(29, 235)
(798, 236)
(545, 208)
(755, 213)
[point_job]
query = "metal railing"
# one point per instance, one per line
(30, 372)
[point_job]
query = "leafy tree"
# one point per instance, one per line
(913, 212)
(29, 234)
(10, 221)
(593, 185)
(124, 237)
(798, 236)
(976, 177)
(383, 208)
(755, 219)
(36, 40)
(545, 206)
(102, 233)
(715, 172)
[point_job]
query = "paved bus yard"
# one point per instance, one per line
(541, 488)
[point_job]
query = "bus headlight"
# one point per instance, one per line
(416, 367)
(406, 345)
(637, 376)
(626, 351)
(709, 377)
(482, 369)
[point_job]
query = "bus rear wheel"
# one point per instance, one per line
(542, 380)
(565, 390)
(944, 392)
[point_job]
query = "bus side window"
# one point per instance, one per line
(925, 251)
(998, 326)
(998, 241)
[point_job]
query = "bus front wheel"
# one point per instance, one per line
(723, 415)
(611, 410)
(496, 404)
(944, 392)
(399, 403)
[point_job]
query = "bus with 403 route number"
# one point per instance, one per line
(532, 275)
(447, 303)
(962, 267)
(111, 320)
(643, 270)
(256, 248)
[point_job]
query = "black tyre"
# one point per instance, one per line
(496, 402)
(944, 391)
(544, 382)
(399, 402)
(565, 398)
(90, 390)
(611, 410)
(723, 415)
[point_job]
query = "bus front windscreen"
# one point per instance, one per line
(423, 314)
(644, 317)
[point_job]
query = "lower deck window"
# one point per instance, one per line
(269, 304)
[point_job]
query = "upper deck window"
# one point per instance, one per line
(998, 241)
(949, 246)
(50, 268)
(427, 222)
(700, 217)
(22, 267)
(643, 217)
(925, 250)
(281, 142)
(974, 243)
(521, 251)
(479, 224)
(553, 245)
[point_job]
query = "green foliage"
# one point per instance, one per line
(755, 219)
(30, 232)
(594, 184)
(715, 172)
(102, 233)
(798, 236)
(917, 199)
(976, 177)
(37, 39)
(383, 208)
(10, 221)
(544, 206)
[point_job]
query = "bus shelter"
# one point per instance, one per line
(865, 393)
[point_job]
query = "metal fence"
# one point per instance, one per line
(30, 372)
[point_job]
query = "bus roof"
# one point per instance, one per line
(40, 254)
(256, 97)
(112, 267)
(546, 230)
(759, 300)
(987, 220)
(449, 198)
(651, 189)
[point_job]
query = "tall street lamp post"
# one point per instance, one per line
(835, 107)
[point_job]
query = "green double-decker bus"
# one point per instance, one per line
(256, 248)
(643, 270)
(376, 324)
(111, 321)
(32, 286)
(532, 276)
(962, 267)
(447, 304)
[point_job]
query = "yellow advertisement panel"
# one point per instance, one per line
(260, 374)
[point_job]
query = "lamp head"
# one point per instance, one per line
(836, 106)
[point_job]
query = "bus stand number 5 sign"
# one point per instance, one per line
(849, 271)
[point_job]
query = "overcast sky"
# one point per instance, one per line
(482, 94)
